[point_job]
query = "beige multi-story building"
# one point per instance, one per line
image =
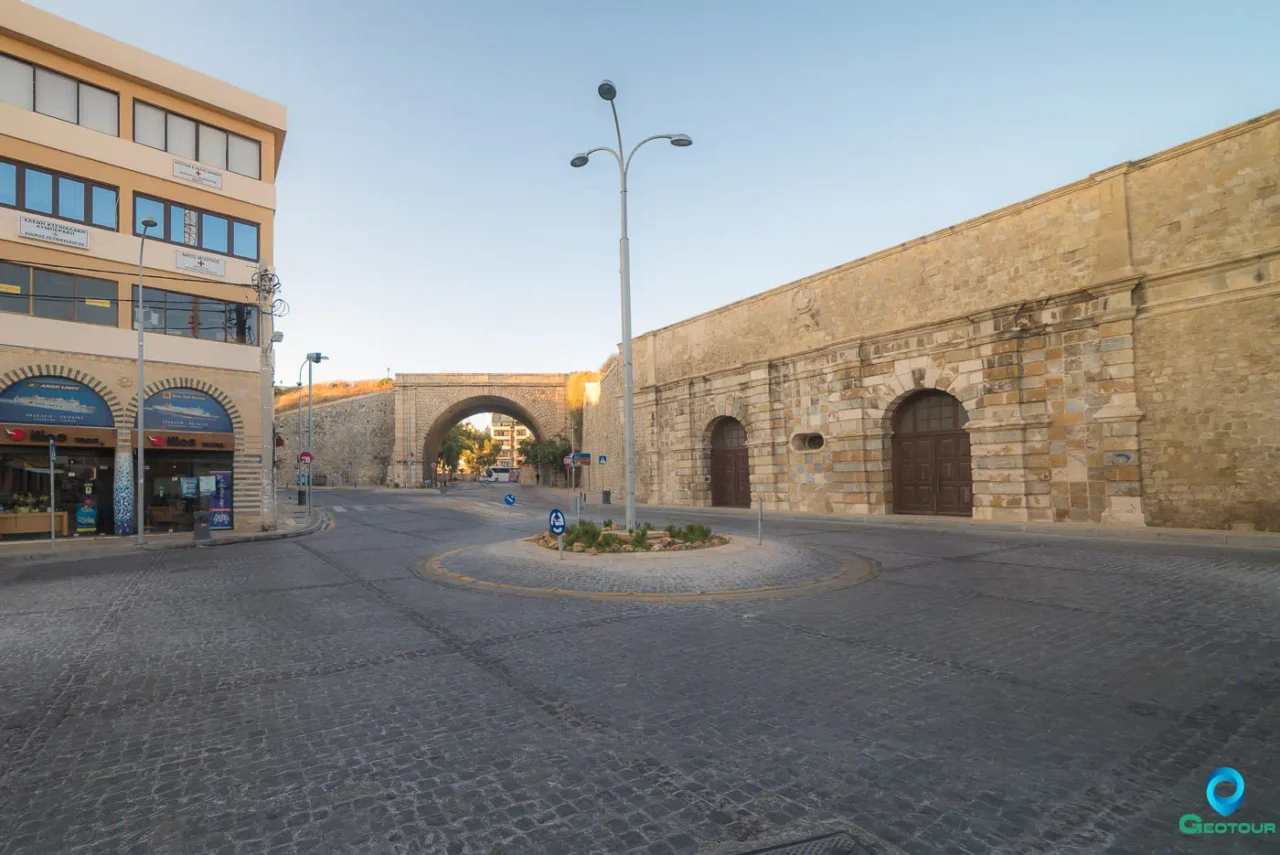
(509, 433)
(110, 155)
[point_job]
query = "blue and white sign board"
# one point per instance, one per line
(54, 401)
(603, 460)
(510, 498)
(187, 410)
(556, 521)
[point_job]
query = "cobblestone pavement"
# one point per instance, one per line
(984, 693)
(736, 566)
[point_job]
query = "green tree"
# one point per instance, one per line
(460, 439)
(484, 451)
(548, 453)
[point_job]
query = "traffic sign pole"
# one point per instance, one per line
(555, 521)
(53, 457)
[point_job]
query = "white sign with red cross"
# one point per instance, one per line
(206, 264)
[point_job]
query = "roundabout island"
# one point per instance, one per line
(735, 569)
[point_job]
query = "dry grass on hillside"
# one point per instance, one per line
(332, 391)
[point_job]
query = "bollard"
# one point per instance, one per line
(560, 543)
(760, 524)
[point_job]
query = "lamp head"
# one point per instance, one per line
(579, 160)
(681, 140)
(148, 223)
(607, 90)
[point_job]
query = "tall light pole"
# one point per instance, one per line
(147, 223)
(297, 461)
(609, 92)
(312, 359)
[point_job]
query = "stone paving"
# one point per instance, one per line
(735, 566)
(982, 694)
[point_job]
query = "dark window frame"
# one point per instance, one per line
(906, 419)
(21, 195)
(226, 153)
(75, 295)
(251, 336)
(35, 108)
(199, 244)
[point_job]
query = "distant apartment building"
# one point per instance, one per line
(508, 432)
(97, 137)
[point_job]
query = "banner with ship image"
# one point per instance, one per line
(54, 401)
(187, 411)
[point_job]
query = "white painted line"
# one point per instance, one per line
(359, 508)
(292, 523)
(340, 509)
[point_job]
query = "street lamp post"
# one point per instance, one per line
(312, 359)
(147, 223)
(297, 462)
(609, 92)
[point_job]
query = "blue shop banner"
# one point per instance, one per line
(87, 517)
(220, 502)
(185, 410)
(55, 401)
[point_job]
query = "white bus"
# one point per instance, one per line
(495, 473)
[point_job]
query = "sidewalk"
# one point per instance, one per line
(1192, 536)
(293, 522)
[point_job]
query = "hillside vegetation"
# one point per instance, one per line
(335, 390)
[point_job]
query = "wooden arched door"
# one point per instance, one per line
(730, 474)
(932, 470)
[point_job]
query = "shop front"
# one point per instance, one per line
(57, 441)
(189, 444)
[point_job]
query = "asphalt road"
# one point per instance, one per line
(985, 692)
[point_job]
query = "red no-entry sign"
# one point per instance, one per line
(305, 458)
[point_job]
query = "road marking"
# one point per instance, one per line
(291, 523)
(340, 509)
(359, 508)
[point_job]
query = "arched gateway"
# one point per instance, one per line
(932, 471)
(730, 470)
(428, 405)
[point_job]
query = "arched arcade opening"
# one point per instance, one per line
(512, 422)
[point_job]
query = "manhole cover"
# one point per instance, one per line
(839, 843)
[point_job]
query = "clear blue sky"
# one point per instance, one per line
(429, 219)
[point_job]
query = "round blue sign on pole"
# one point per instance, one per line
(510, 498)
(556, 521)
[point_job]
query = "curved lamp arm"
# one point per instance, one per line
(627, 165)
(615, 154)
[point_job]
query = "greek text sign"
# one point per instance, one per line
(197, 174)
(62, 233)
(205, 264)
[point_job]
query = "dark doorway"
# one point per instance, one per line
(730, 474)
(932, 471)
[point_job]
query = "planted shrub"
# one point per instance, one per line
(584, 531)
(696, 531)
(640, 540)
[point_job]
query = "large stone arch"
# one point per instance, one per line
(427, 405)
(49, 370)
(473, 406)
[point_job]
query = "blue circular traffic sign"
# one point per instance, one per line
(556, 521)
(510, 498)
